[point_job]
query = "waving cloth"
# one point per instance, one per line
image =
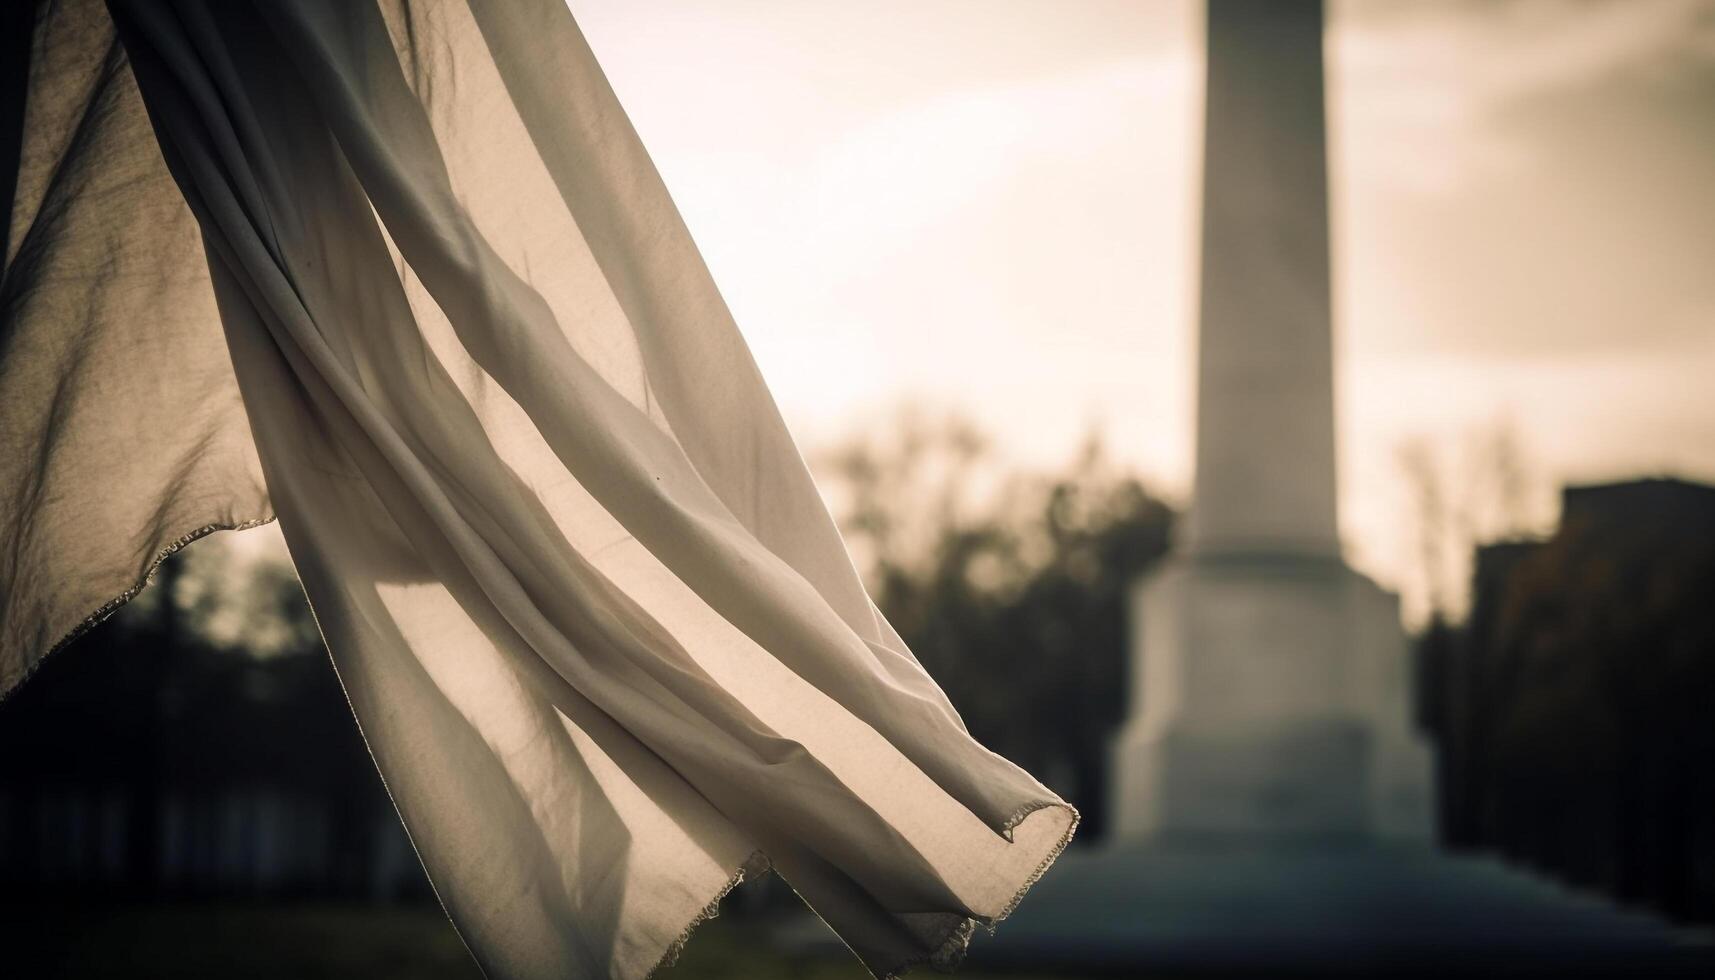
(604, 641)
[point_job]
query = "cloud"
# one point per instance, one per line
(1525, 181)
(1435, 88)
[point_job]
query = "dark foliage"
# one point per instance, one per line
(1010, 588)
(145, 759)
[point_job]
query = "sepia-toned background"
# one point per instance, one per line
(961, 237)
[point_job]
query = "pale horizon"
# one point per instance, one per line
(990, 208)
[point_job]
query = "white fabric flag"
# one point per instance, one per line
(601, 636)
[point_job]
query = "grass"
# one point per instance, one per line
(276, 941)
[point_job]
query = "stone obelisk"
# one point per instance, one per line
(1270, 690)
(1270, 795)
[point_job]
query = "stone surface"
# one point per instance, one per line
(1270, 698)
(1265, 403)
(1269, 691)
(1355, 909)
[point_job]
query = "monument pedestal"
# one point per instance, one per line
(1270, 700)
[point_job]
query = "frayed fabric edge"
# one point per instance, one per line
(754, 866)
(952, 946)
(9, 686)
(950, 951)
(1048, 859)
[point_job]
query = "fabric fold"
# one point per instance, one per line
(596, 625)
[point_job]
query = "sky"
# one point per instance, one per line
(989, 206)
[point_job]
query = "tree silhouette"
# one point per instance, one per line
(1009, 586)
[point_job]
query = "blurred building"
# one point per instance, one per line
(1571, 709)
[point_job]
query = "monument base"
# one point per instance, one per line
(1271, 698)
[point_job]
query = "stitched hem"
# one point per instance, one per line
(1047, 859)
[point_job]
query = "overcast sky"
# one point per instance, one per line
(990, 205)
